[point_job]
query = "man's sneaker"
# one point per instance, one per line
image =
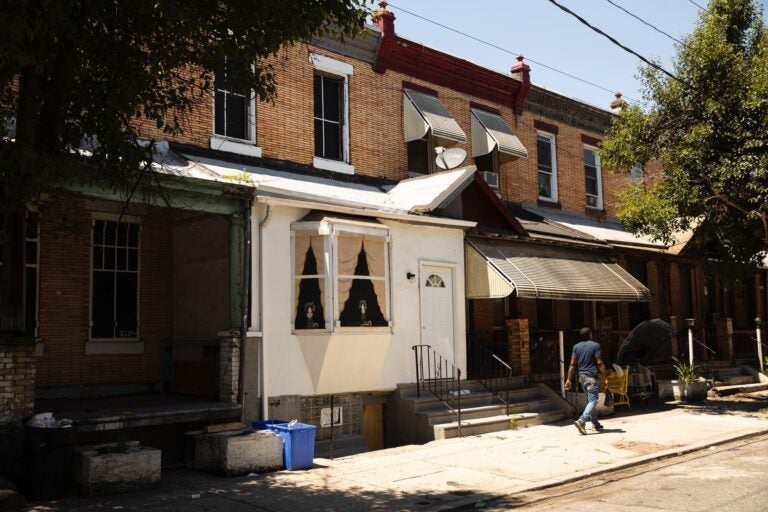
(598, 426)
(581, 426)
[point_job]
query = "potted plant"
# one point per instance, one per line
(689, 385)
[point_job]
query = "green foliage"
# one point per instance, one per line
(75, 70)
(708, 132)
(686, 372)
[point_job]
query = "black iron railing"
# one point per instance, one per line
(439, 376)
(491, 371)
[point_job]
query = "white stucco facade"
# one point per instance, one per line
(349, 359)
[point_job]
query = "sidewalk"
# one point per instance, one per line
(441, 475)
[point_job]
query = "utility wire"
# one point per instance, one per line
(617, 43)
(492, 45)
(698, 6)
(641, 20)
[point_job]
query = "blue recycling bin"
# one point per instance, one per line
(298, 444)
(267, 424)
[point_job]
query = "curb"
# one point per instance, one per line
(666, 454)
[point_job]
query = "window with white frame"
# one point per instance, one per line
(331, 113)
(19, 277)
(547, 166)
(234, 119)
(341, 279)
(115, 280)
(232, 111)
(593, 178)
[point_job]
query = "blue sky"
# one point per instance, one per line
(545, 34)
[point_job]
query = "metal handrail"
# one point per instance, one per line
(491, 371)
(441, 377)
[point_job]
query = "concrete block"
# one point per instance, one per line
(237, 453)
(116, 468)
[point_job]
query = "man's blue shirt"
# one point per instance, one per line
(586, 352)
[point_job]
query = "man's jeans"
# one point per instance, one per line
(591, 388)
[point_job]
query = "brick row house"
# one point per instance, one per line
(313, 241)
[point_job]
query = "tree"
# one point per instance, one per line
(94, 70)
(707, 127)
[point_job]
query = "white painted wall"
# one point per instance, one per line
(340, 362)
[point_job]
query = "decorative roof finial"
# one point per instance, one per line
(618, 104)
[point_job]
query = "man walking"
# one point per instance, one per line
(586, 354)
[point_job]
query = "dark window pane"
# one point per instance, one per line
(319, 138)
(362, 307)
(309, 312)
(237, 117)
(485, 162)
(31, 225)
(103, 294)
(133, 235)
(122, 234)
(418, 157)
(125, 307)
(121, 258)
(30, 253)
(98, 232)
(98, 257)
(318, 96)
(589, 157)
(545, 185)
(544, 153)
(545, 314)
(30, 311)
(331, 99)
(109, 257)
(591, 186)
(133, 259)
(110, 229)
(590, 172)
(332, 141)
(220, 107)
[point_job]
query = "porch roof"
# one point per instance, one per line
(412, 197)
(536, 271)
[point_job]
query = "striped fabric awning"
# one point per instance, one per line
(547, 272)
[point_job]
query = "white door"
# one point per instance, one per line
(436, 295)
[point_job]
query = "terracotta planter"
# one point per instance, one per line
(683, 391)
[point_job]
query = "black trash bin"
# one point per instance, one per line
(48, 464)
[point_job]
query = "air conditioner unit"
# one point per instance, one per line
(491, 178)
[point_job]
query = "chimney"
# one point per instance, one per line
(385, 20)
(522, 72)
(618, 104)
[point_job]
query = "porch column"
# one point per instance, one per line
(17, 382)
(674, 340)
(518, 344)
(236, 241)
(229, 366)
(724, 328)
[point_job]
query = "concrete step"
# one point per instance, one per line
(428, 401)
(740, 388)
(498, 423)
(409, 390)
(738, 380)
(438, 416)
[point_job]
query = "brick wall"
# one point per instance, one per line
(17, 382)
(64, 304)
(229, 368)
(519, 345)
(284, 129)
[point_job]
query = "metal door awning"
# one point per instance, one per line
(547, 272)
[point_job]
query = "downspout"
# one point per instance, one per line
(262, 371)
(245, 289)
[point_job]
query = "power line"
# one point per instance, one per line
(505, 50)
(641, 20)
(698, 6)
(616, 42)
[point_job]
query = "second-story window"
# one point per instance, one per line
(593, 178)
(231, 105)
(331, 113)
(547, 166)
(329, 119)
